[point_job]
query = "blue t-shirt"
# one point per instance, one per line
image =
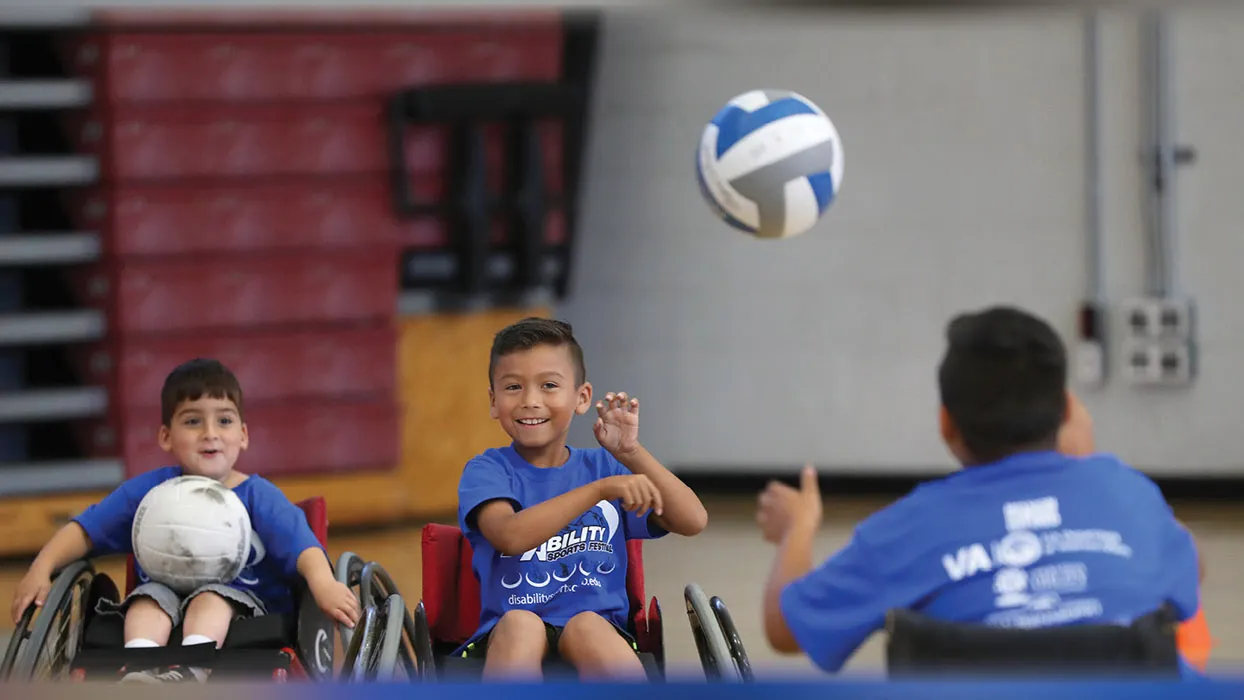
(1035, 540)
(582, 568)
(280, 533)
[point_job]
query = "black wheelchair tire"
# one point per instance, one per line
(710, 642)
(733, 640)
(362, 645)
(375, 584)
(68, 581)
(20, 634)
(391, 641)
(421, 638)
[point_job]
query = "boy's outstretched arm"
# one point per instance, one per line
(790, 519)
(683, 513)
(69, 544)
(617, 430)
(513, 533)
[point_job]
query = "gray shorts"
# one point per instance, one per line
(174, 605)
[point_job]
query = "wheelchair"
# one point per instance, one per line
(918, 646)
(449, 613)
(66, 640)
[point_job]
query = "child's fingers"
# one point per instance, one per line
(343, 618)
(658, 503)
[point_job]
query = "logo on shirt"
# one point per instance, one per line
(590, 533)
(1028, 594)
(258, 553)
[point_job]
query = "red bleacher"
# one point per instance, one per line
(245, 211)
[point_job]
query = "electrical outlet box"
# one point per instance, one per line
(1140, 363)
(1158, 363)
(1141, 319)
(1175, 364)
(1158, 319)
(1174, 319)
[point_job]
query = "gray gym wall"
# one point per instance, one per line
(965, 186)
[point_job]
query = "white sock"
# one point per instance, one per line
(198, 639)
(140, 644)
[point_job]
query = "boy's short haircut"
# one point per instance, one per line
(193, 380)
(531, 332)
(1003, 380)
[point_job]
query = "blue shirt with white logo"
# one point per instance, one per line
(280, 533)
(1035, 540)
(581, 568)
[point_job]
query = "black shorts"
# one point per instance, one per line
(479, 647)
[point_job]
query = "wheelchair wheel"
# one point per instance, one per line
(421, 638)
(360, 654)
(348, 570)
(15, 642)
(375, 584)
(56, 635)
(391, 640)
(377, 587)
(710, 642)
(733, 640)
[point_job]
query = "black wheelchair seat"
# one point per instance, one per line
(263, 632)
(918, 645)
(258, 644)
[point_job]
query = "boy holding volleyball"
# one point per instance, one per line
(549, 523)
(202, 427)
(1022, 536)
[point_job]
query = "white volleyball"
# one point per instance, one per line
(191, 531)
(770, 163)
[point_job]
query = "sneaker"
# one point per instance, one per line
(174, 674)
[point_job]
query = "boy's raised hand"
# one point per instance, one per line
(781, 506)
(617, 427)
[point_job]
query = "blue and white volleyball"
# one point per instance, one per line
(770, 163)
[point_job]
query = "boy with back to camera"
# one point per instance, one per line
(202, 427)
(1022, 536)
(549, 523)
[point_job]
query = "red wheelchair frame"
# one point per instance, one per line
(449, 612)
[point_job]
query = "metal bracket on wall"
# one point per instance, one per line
(471, 208)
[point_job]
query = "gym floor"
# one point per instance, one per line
(730, 560)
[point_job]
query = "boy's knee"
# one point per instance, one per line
(518, 632)
(209, 601)
(141, 604)
(595, 648)
(519, 623)
(588, 630)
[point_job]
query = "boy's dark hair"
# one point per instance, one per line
(1003, 380)
(531, 332)
(194, 380)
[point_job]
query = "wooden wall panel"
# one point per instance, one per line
(443, 380)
